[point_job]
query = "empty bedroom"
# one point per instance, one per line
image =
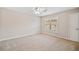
(39, 29)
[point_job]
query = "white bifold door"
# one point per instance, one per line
(74, 27)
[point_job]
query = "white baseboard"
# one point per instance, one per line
(9, 38)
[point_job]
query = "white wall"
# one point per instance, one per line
(62, 24)
(16, 24)
(0, 23)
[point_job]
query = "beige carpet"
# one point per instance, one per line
(38, 42)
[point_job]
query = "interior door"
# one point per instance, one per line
(74, 27)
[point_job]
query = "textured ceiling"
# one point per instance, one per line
(50, 10)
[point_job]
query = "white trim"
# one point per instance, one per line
(9, 38)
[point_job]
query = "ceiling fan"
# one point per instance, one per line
(39, 10)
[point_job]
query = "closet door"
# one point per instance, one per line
(74, 27)
(63, 25)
